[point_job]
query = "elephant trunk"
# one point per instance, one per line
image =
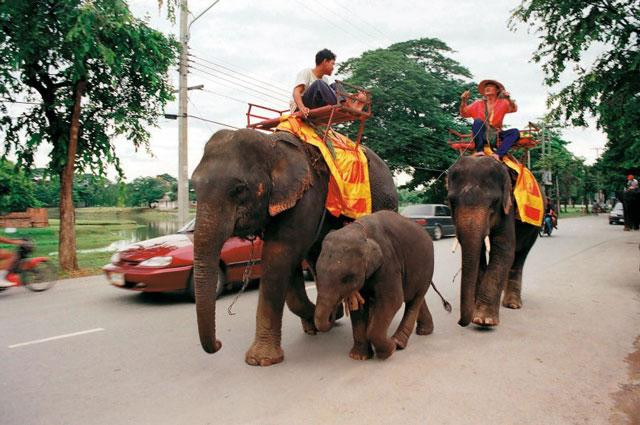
(324, 309)
(211, 232)
(471, 228)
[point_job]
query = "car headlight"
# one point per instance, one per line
(115, 258)
(156, 262)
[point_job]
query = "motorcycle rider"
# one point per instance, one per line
(550, 211)
(6, 259)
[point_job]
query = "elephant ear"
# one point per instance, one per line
(290, 173)
(373, 257)
(506, 196)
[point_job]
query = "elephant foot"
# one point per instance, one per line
(401, 339)
(512, 301)
(386, 350)
(261, 354)
(309, 327)
(485, 316)
(426, 329)
(361, 352)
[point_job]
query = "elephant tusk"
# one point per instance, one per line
(487, 243)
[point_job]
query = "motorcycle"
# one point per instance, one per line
(547, 224)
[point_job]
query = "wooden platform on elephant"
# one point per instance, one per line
(265, 118)
(464, 142)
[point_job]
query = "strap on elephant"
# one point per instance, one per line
(246, 274)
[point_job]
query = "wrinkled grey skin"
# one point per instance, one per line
(249, 183)
(481, 203)
(389, 260)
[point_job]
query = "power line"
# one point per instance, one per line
(275, 92)
(268, 99)
(314, 12)
(352, 23)
(198, 110)
(376, 29)
(225, 96)
(240, 73)
(238, 84)
(215, 122)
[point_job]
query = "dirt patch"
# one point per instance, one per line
(627, 407)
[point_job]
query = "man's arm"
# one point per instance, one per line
(512, 103)
(463, 103)
(297, 98)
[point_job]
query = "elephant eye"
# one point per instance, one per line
(347, 278)
(238, 190)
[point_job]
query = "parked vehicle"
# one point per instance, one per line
(34, 273)
(435, 218)
(616, 216)
(166, 263)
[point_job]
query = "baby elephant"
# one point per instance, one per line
(385, 260)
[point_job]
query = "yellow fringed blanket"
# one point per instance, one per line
(349, 189)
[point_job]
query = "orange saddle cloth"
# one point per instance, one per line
(349, 189)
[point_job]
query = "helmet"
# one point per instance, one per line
(630, 177)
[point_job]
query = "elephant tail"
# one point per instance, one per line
(445, 303)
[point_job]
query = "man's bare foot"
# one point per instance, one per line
(478, 154)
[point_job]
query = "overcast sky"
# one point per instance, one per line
(271, 40)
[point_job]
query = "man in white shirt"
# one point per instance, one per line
(312, 88)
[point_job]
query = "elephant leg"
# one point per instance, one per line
(379, 320)
(513, 292)
(425, 321)
(277, 267)
(411, 311)
(361, 349)
(487, 309)
(299, 303)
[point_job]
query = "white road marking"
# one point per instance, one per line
(38, 341)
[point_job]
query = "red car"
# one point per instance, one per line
(166, 263)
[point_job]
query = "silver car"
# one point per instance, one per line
(435, 218)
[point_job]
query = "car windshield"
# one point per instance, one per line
(417, 210)
(617, 208)
(188, 228)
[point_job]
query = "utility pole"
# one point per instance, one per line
(183, 160)
(183, 151)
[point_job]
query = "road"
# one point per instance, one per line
(127, 358)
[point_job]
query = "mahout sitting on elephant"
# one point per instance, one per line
(249, 183)
(480, 196)
(387, 260)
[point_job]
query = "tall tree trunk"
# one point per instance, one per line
(67, 237)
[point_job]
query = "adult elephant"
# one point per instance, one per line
(480, 195)
(631, 208)
(248, 183)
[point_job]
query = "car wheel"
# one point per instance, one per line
(437, 233)
(222, 282)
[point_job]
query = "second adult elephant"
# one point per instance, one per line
(248, 183)
(481, 202)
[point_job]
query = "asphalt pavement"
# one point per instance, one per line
(88, 353)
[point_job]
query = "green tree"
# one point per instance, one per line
(607, 87)
(416, 91)
(16, 190)
(95, 72)
(146, 190)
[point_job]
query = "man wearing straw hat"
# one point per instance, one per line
(487, 114)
